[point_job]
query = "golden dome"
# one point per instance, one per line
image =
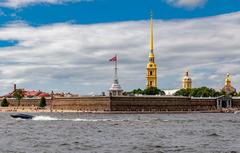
(228, 79)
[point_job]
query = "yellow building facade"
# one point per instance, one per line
(151, 73)
(187, 81)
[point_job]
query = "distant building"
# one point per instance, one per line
(187, 81)
(228, 88)
(28, 93)
(170, 92)
(38, 94)
(62, 94)
(151, 74)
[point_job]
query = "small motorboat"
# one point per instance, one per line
(22, 116)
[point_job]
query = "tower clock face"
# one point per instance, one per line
(150, 65)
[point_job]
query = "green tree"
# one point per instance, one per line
(18, 94)
(137, 91)
(183, 92)
(153, 91)
(148, 91)
(230, 94)
(199, 92)
(42, 102)
(4, 103)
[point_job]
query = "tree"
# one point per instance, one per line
(42, 102)
(4, 103)
(199, 92)
(232, 94)
(137, 91)
(18, 94)
(153, 91)
(183, 92)
(148, 91)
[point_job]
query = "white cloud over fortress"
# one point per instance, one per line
(71, 56)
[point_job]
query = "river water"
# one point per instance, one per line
(114, 133)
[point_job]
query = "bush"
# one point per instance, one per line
(4, 103)
(42, 102)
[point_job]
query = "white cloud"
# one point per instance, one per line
(73, 57)
(190, 4)
(22, 3)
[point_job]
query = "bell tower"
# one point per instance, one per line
(187, 81)
(151, 73)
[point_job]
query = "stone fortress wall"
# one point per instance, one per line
(26, 102)
(82, 103)
(127, 103)
(236, 102)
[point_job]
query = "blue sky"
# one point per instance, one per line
(99, 11)
(64, 45)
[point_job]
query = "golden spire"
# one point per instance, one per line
(151, 33)
(151, 74)
(186, 72)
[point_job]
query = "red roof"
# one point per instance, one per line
(43, 94)
(33, 93)
(30, 93)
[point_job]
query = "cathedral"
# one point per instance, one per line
(228, 88)
(151, 70)
(151, 73)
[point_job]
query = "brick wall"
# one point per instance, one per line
(236, 102)
(130, 103)
(82, 103)
(150, 103)
(26, 101)
(202, 104)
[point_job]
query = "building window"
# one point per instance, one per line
(151, 73)
(150, 83)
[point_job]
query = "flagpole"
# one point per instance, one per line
(115, 68)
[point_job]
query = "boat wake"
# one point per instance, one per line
(44, 118)
(48, 118)
(237, 112)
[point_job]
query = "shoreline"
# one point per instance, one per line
(48, 110)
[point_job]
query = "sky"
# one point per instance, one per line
(65, 45)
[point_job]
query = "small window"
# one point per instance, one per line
(150, 83)
(151, 73)
(150, 65)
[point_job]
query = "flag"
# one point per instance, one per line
(114, 59)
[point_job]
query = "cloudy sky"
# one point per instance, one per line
(65, 45)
